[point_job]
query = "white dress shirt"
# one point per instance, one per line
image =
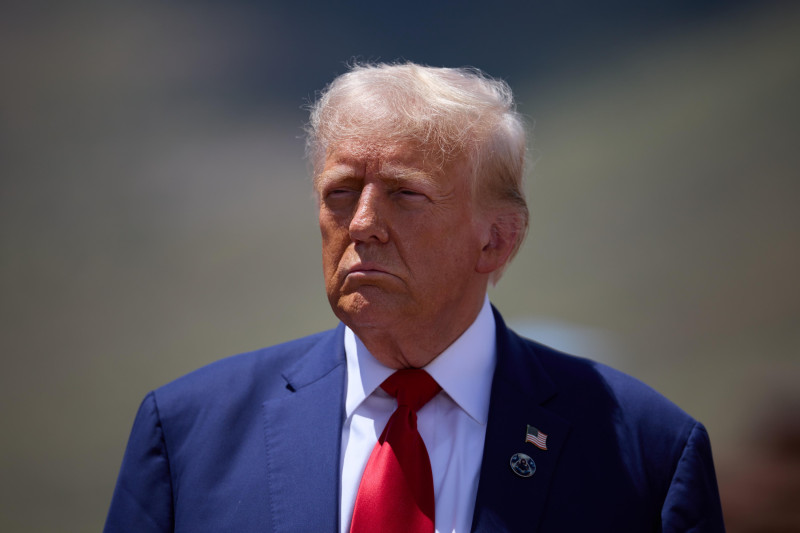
(452, 424)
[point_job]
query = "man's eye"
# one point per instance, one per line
(408, 193)
(339, 198)
(338, 193)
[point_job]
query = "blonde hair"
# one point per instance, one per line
(449, 113)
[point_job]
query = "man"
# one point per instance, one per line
(418, 173)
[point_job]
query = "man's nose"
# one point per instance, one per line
(368, 222)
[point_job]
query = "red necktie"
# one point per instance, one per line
(396, 490)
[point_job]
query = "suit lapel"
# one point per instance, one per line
(506, 501)
(303, 437)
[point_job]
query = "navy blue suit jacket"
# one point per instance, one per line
(251, 443)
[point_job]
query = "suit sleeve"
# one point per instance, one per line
(142, 500)
(692, 503)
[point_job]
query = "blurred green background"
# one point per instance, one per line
(156, 214)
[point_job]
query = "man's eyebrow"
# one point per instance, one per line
(389, 173)
(336, 173)
(407, 174)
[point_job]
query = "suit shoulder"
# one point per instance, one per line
(256, 372)
(578, 377)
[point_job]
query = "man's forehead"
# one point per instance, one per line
(359, 152)
(391, 160)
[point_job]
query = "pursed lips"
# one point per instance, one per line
(368, 269)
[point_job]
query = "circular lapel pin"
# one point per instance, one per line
(522, 465)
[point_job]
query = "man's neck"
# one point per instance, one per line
(414, 346)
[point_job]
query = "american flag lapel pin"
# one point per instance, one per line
(536, 437)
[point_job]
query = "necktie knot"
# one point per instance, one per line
(412, 387)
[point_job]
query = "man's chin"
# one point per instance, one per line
(369, 306)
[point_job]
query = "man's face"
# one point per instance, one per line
(400, 239)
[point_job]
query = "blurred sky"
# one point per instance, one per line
(156, 214)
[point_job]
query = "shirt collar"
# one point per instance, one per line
(464, 370)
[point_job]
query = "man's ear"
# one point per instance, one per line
(499, 240)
